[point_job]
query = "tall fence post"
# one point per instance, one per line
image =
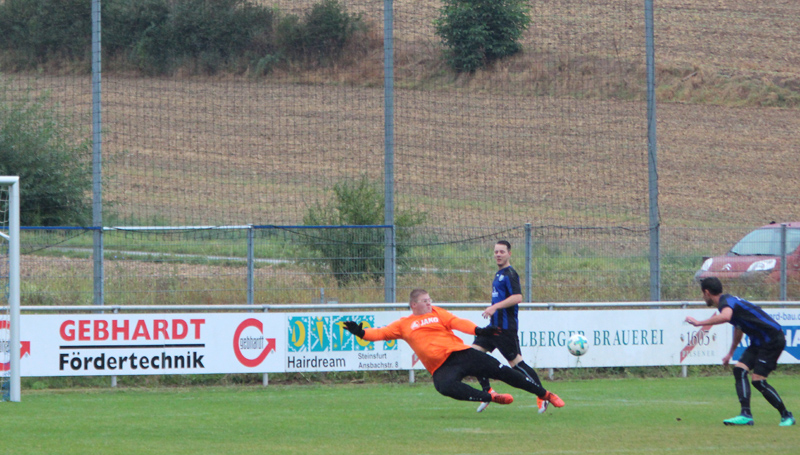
(655, 234)
(388, 153)
(528, 262)
(390, 251)
(97, 182)
(98, 282)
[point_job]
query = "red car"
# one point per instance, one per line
(757, 256)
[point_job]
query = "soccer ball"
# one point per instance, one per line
(577, 344)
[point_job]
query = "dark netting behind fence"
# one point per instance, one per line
(554, 136)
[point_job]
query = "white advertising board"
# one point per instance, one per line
(196, 343)
(638, 337)
(193, 343)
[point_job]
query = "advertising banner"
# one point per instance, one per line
(622, 338)
(319, 342)
(194, 343)
(197, 343)
(639, 337)
(137, 344)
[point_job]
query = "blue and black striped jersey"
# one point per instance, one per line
(751, 319)
(505, 284)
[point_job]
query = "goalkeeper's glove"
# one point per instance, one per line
(489, 330)
(355, 329)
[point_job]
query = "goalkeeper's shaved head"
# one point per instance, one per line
(415, 295)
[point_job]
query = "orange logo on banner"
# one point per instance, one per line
(25, 348)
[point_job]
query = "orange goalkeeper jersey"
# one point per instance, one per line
(429, 335)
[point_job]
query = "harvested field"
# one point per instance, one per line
(168, 155)
(485, 150)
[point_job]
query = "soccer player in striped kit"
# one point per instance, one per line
(767, 341)
(504, 313)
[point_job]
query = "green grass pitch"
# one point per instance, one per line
(602, 416)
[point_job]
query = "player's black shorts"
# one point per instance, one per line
(460, 364)
(762, 360)
(506, 342)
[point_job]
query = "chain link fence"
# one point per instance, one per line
(554, 137)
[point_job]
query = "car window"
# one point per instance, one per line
(766, 241)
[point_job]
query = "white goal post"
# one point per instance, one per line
(10, 288)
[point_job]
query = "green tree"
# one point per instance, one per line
(33, 32)
(319, 39)
(354, 254)
(479, 32)
(54, 168)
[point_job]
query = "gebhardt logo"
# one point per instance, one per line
(130, 329)
(253, 342)
(25, 347)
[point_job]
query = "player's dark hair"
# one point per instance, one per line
(712, 284)
(504, 242)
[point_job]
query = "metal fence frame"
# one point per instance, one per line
(390, 271)
(389, 207)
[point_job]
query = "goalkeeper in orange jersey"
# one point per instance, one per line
(429, 332)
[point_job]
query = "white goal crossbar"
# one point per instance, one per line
(12, 237)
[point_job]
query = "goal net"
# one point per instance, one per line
(9, 290)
